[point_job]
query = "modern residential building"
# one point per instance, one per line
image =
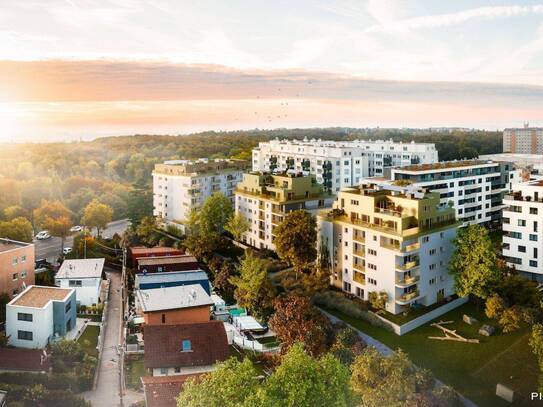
(83, 275)
(525, 140)
(40, 314)
(164, 264)
(389, 239)
(174, 305)
(173, 279)
(475, 188)
(523, 229)
(339, 164)
(180, 186)
(186, 348)
(264, 199)
(137, 252)
(16, 266)
(531, 163)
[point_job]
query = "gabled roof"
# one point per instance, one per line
(162, 391)
(163, 344)
(81, 268)
(166, 298)
(27, 360)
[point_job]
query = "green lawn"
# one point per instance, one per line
(135, 369)
(90, 334)
(472, 369)
(413, 313)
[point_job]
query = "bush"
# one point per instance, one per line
(131, 339)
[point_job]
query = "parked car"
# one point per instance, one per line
(41, 263)
(44, 234)
(76, 229)
(67, 250)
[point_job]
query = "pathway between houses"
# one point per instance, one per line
(386, 351)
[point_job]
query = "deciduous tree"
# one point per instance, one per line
(97, 215)
(536, 343)
(215, 213)
(237, 225)
(17, 229)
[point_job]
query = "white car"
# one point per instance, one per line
(76, 229)
(67, 250)
(44, 234)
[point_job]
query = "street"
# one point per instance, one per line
(50, 249)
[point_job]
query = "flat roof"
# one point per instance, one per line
(37, 296)
(158, 260)
(165, 298)
(171, 276)
(443, 165)
(8, 244)
(81, 268)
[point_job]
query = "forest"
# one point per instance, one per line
(117, 170)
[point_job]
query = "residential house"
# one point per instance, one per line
(173, 279)
(16, 266)
(162, 391)
(83, 275)
(164, 264)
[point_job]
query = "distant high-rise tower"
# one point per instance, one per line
(525, 140)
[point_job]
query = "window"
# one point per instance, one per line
(372, 281)
(164, 370)
(522, 249)
(186, 346)
(372, 266)
(432, 267)
(432, 252)
(25, 335)
(425, 239)
(533, 263)
(533, 238)
(15, 276)
(372, 252)
(74, 283)
(14, 261)
(22, 316)
(533, 211)
(177, 370)
(23, 274)
(163, 318)
(535, 253)
(521, 222)
(23, 259)
(432, 281)
(68, 306)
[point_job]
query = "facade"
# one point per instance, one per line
(16, 266)
(185, 348)
(264, 199)
(530, 163)
(166, 263)
(339, 164)
(522, 226)
(174, 305)
(181, 186)
(173, 279)
(388, 239)
(475, 188)
(40, 314)
(525, 140)
(83, 275)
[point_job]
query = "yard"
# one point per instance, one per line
(89, 339)
(134, 370)
(472, 369)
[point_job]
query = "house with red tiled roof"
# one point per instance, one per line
(162, 391)
(24, 360)
(185, 348)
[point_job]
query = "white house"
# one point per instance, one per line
(38, 314)
(85, 276)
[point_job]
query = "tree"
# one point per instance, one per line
(35, 395)
(97, 215)
(347, 345)
(4, 340)
(55, 217)
(494, 306)
(297, 320)
(378, 300)
(511, 318)
(4, 300)
(16, 211)
(536, 343)
(139, 203)
(147, 231)
(215, 213)
(254, 290)
(18, 229)
(199, 241)
(232, 384)
(222, 281)
(296, 240)
(237, 225)
(474, 262)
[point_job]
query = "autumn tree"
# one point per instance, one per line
(347, 344)
(297, 320)
(237, 225)
(296, 240)
(254, 290)
(474, 262)
(54, 217)
(222, 283)
(536, 343)
(147, 231)
(19, 229)
(97, 215)
(15, 211)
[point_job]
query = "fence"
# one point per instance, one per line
(101, 335)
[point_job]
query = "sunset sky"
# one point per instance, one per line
(71, 68)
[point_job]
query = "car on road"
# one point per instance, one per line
(76, 228)
(67, 250)
(44, 234)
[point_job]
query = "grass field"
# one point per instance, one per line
(135, 369)
(90, 334)
(472, 369)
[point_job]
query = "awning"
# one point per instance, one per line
(247, 323)
(139, 320)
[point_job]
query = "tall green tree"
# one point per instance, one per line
(215, 213)
(237, 225)
(474, 262)
(97, 215)
(17, 229)
(254, 290)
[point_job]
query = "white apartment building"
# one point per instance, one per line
(265, 199)
(396, 240)
(180, 186)
(475, 188)
(525, 140)
(83, 275)
(339, 164)
(522, 224)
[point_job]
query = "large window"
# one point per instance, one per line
(21, 316)
(74, 283)
(25, 335)
(68, 306)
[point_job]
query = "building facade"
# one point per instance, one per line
(39, 314)
(16, 266)
(525, 140)
(83, 275)
(180, 186)
(264, 200)
(522, 225)
(388, 239)
(474, 188)
(339, 164)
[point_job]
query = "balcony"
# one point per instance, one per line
(407, 281)
(359, 253)
(261, 215)
(411, 247)
(408, 266)
(359, 267)
(408, 297)
(359, 278)
(359, 238)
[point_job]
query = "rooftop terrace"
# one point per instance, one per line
(443, 165)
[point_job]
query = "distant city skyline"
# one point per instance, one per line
(73, 68)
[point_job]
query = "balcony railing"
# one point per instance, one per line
(412, 247)
(359, 278)
(409, 265)
(407, 281)
(359, 238)
(359, 267)
(408, 296)
(359, 253)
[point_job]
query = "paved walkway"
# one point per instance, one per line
(386, 351)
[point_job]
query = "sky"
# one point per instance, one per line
(74, 69)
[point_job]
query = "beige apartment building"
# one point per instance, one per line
(16, 266)
(525, 140)
(389, 239)
(264, 199)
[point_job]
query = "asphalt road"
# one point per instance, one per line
(50, 249)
